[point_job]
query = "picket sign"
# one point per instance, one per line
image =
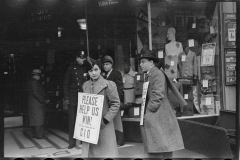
(89, 115)
(144, 95)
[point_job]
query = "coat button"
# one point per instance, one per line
(78, 83)
(76, 73)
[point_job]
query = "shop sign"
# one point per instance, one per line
(103, 3)
(40, 15)
(230, 66)
(230, 30)
(208, 54)
(89, 116)
(144, 17)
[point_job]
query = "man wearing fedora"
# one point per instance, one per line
(75, 76)
(36, 104)
(115, 76)
(160, 130)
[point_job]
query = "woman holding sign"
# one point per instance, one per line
(107, 145)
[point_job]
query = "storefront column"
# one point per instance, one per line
(238, 85)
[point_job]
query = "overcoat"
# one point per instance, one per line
(107, 145)
(36, 102)
(160, 130)
(116, 77)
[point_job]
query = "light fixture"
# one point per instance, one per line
(60, 31)
(82, 24)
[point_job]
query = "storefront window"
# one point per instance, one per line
(186, 38)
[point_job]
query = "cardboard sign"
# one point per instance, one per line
(208, 101)
(89, 116)
(191, 42)
(183, 58)
(205, 83)
(144, 96)
(231, 34)
(160, 54)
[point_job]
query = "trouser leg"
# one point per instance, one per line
(33, 130)
(72, 111)
(39, 130)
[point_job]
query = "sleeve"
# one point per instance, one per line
(36, 91)
(179, 65)
(66, 83)
(113, 100)
(195, 69)
(158, 88)
(119, 83)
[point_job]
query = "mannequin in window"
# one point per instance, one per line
(172, 49)
(187, 62)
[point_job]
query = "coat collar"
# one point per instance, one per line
(98, 86)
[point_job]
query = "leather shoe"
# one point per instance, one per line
(70, 147)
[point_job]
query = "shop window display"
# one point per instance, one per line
(188, 38)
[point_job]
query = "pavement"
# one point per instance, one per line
(18, 142)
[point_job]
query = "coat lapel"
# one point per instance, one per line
(98, 86)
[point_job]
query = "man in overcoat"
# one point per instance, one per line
(160, 130)
(115, 76)
(75, 76)
(36, 104)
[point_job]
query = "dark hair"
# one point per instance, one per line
(89, 66)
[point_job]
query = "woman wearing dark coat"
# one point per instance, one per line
(36, 104)
(160, 130)
(107, 144)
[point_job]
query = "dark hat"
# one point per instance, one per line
(36, 72)
(81, 54)
(107, 58)
(151, 55)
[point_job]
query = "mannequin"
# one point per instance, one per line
(172, 49)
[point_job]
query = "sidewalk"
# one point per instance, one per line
(19, 143)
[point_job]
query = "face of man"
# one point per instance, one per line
(126, 69)
(37, 77)
(95, 72)
(80, 60)
(146, 64)
(107, 66)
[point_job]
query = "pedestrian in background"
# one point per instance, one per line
(115, 76)
(160, 130)
(75, 76)
(36, 105)
(107, 145)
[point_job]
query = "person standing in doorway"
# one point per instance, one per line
(160, 130)
(115, 76)
(75, 76)
(36, 104)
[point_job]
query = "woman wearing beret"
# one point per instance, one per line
(160, 130)
(107, 145)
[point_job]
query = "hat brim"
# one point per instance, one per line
(154, 59)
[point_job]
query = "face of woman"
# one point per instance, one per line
(95, 72)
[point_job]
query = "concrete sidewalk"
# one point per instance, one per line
(136, 150)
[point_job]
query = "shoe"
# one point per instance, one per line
(70, 147)
(43, 137)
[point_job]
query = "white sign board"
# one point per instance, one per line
(231, 34)
(144, 96)
(89, 116)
